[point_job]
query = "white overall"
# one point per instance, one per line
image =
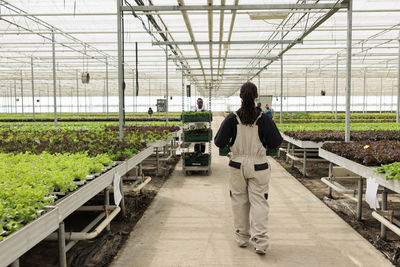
(249, 188)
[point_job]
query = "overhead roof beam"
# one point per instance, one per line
(356, 28)
(231, 57)
(304, 35)
(233, 19)
(210, 37)
(235, 7)
(174, 13)
(230, 42)
(190, 31)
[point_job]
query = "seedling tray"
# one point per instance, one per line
(206, 136)
(199, 117)
(192, 159)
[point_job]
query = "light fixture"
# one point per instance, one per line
(268, 15)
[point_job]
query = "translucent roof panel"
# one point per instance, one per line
(86, 38)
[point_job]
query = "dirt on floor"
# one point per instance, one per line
(100, 251)
(346, 208)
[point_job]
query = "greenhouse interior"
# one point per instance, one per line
(199, 133)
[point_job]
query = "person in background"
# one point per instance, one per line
(249, 132)
(200, 105)
(199, 148)
(150, 112)
(259, 107)
(270, 112)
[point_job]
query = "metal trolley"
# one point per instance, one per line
(201, 164)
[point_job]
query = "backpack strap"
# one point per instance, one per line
(259, 116)
(237, 117)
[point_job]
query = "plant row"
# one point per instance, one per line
(329, 135)
(339, 127)
(318, 116)
(94, 141)
(86, 115)
(369, 153)
(391, 171)
(28, 183)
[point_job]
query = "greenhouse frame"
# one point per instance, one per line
(117, 85)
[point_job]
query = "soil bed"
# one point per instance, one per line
(369, 227)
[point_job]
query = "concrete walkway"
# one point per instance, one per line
(190, 224)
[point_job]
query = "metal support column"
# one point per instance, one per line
(62, 254)
(54, 77)
(11, 99)
(364, 91)
(15, 96)
(360, 198)
(287, 94)
(137, 74)
(305, 91)
(120, 71)
(384, 207)
(380, 98)
(348, 67)
(59, 96)
(33, 90)
(22, 95)
(166, 83)
(77, 90)
(398, 87)
(107, 103)
(336, 85)
(134, 98)
(259, 81)
(281, 111)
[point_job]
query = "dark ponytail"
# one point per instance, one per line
(248, 94)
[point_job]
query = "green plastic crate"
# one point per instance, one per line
(199, 117)
(196, 137)
(192, 159)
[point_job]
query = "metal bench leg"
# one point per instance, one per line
(384, 207)
(293, 149)
(158, 161)
(140, 169)
(122, 204)
(287, 151)
(331, 177)
(62, 254)
(304, 162)
(107, 205)
(360, 198)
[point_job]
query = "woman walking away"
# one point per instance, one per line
(249, 132)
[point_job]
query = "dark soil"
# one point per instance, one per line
(368, 227)
(100, 251)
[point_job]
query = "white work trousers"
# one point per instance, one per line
(249, 196)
